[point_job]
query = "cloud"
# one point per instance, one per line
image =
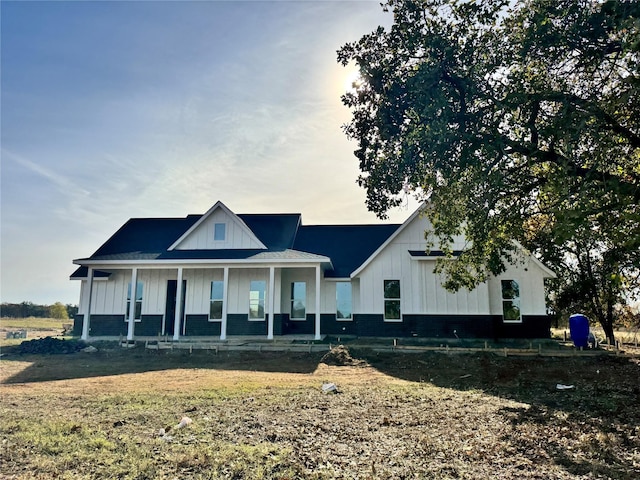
(62, 183)
(137, 109)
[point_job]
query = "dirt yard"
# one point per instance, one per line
(116, 413)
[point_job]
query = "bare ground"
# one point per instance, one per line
(264, 415)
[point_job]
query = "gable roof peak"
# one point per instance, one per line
(418, 212)
(217, 206)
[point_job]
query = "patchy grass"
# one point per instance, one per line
(627, 336)
(33, 323)
(35, 327)
(264, 416)
(624, 336)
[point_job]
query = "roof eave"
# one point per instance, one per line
(207, 261)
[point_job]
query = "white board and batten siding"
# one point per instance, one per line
(435, 299)
(307, 275)
(530, 277)
(356, 297)
(109, 297)
(327, 297)
(198, 294)
(421, 290)
(154, 289)
(240, 284)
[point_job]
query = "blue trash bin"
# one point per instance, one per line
(579, 329)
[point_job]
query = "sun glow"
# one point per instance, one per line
(352, 79)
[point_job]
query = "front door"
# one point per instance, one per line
(170, 308)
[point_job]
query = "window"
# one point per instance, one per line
(511, 301)
(392, 300)
(217, 299)
(343, 301)
(298, 300)
(257, 292)
(219, 231)
(137, 316)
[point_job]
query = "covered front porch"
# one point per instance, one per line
(201, 301)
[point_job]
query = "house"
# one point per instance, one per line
(222, 274)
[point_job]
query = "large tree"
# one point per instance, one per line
(514, 121)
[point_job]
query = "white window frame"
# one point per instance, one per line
(515, 301)
(392, 299)
(261, 301)
(350, 317)
(212, 300)
(216, 226)
(136, 318)
(294, 299)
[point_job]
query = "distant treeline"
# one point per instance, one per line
(29, 309)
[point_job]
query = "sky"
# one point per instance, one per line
(122, 109)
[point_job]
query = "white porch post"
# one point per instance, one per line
(272, 301)
(178, 314)
(132, 303)
(225, 289)
(87, 316)
(317, 337)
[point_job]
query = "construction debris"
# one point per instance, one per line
(329, 388)
(560, 386)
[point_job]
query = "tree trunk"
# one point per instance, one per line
(605, 319)
(607, 326)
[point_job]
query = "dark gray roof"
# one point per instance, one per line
(146, 235)
(348, 246)
(274, 230)
(82, 272)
